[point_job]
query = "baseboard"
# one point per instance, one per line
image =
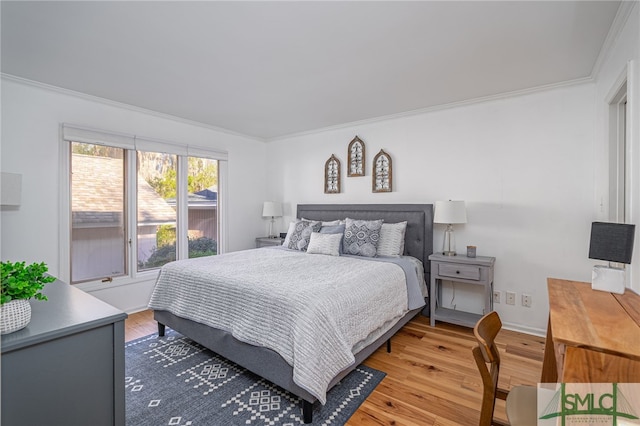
(135, 310)
(523, 329)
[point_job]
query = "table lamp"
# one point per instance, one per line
(273, 210)
(450, 212)
(612, 242)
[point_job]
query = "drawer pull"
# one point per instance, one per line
(457, 272)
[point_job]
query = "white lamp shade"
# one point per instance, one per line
(450, 212)
(271, 209)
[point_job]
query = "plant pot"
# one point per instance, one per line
(14, 315)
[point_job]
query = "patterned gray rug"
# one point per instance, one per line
(172, 380)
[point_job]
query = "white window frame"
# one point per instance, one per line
(133, 143)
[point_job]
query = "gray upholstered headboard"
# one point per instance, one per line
(419, 217)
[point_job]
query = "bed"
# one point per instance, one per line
(276, 366)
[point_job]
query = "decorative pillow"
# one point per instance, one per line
(392, 239)
(329, 223)
(361, 237)
(324, 244)
(334, 229)
(292, 227)
(299, 237)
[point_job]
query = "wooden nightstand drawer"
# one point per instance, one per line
(466, 272)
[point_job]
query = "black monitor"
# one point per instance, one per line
(612, 242)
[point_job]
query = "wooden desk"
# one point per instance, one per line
(592, 336)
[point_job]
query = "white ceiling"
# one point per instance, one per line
(267, 69)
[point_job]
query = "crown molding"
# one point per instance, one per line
(505, 95)
(458, 104)
(620, 20)
(104, 101)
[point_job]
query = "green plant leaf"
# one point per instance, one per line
(21, 281)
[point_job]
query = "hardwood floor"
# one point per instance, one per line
(139, 324)
(431, 377)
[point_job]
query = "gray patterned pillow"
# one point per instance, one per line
(301, 233)
(361, 237)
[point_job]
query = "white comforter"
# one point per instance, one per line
(311, 309)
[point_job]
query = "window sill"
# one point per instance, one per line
(118, 282)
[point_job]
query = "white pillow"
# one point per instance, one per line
(292, 227)
(392, 239)
(329, 223)
(324, 244)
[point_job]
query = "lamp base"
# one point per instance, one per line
(608, 279)
(271, 234)
(449, 242)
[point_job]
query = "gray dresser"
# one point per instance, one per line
(67, 366)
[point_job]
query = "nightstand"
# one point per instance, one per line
(463, 270)
(266, 241)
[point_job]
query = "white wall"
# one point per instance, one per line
(622, 62)
(31, 117)
(524, 165)
(533, 170)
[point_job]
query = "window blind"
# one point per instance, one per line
(74, 133)
(156, 145)
(206, 153)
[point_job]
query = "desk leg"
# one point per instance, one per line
(549, 365)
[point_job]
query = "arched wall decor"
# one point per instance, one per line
(382, 175)
(332, 175)
(356, 158)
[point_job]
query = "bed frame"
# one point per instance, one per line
(268, 363)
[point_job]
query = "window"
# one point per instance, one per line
(134, 205)
(202, 207)
(98, 216)
(156, 212)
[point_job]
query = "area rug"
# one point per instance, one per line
(172, 380)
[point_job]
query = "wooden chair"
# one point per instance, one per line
(521, 400)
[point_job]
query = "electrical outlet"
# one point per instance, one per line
(526, 300)
(496, 297)
(510, 298)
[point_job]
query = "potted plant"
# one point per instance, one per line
(20, 282)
